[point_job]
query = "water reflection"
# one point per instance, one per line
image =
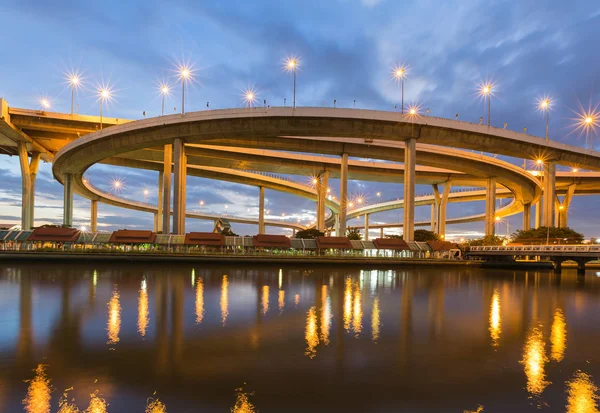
(347, 304)
(495, 321)
(325, 314)
(534, 361)
(357, 313)
(224, 299)
(280, 300)
(265, 299)
(199, 301)
(97, 404)
(558, 336)
(114, 318)
(375, 320)
(38, 396)
(143, 313)
(582, 394)
(296, 299)
(311, 335)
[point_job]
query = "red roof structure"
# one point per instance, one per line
(442, 245)
(205, 239)
(54, 234)
(271, 241)
(129, 236)
(334, 242)
(396, 244)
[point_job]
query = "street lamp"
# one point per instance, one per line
(104, 93)
(399, 74)
(165, 90)
(544, 105)
(291, 65)
(45, 103)
(185, 73)
(250, 96)
(75, 82)
(486, 90)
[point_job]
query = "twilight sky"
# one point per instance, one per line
(347, 50)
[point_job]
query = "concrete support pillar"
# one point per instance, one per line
(490, 208)
(28, 175)
(563, 209)
(538, 213)
(94, 216)
(432, 219)
(158, 218)
(166, 188)
(442, 210)
(322, 185)
(381, 232)
(179, 186)
(68, 200)
(261, 210)
(549, 193)
(337, 225)
(435, 210)
(526, 217)
(366, 227)
(410, 152)
(343, 195)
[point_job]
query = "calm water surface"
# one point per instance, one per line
(299, 339)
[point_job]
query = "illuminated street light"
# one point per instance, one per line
(544, 105)
(379, 194)
(486, 90)
(45, 103)
(146, 193)
(74, 79)
(359, 200)
(83, 228)
(185, 73)
(575, 170)
(201, 203)
(399, 74)
(250, 96)
(165, 90)
(291, 65)
(117, 184)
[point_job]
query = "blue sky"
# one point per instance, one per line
(347, 50)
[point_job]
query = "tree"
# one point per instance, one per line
(394, 236)
(228, 232)
(353, 233)
(310, 233)
(423, 235)
(487, 240)
(552, 235)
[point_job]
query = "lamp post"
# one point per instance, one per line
(45, 103)
(544, 105)
(104, 93)
(486, 91)
(184, 73)
(291, 64)
(164, 91)
(74, 81)
(399, 75)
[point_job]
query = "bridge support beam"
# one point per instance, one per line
(158, 218)
(343, 195)
(166, 189)
(94, 216)
(563, 208)
(337, 225)
(68, 201)
(366, 227)
(442, 210)
(549, 193)
(381, 232)
(490, 208)
(322, 185)
(435, 210)
(261, 209)
(538, 213)
(28, 174)
(179, 188)
(410, 153)
(526, 217)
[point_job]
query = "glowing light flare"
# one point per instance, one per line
(291, 64)
(165, 89)
(544, 103)
(399, 72)
(375, 321)
(38, 396)
(325, 315)
(347, 304)
(224, 302)
(311, 334)
(105, 93)
(558, 336)
(265, 299)
(143, 311)
(44, 103)
(117, 184)
(582, 396)
(586, 120)
(534, 360)
(74, 78)
(357, 313)
(495, 318)
(199, 301)
(114, 318)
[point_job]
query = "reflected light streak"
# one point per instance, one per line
(495, 319)
(280, 278)
(311, 335)
(534, 359)
(143, 312)
(558, 336)
(582, 394)
(325, 315)
(375, 320)
(114, 318)
(265, 299)
(224, 299)
(97, 404)
(63, 403)
(357, 311)
(156, 406)
(296, 299)
(242, 404)
(199, 301)
(38, 396)
(347, 304)
(281, 300)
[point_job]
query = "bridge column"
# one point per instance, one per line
(435, 209)
(337, 225)
(68, 201)
(538, 213)
(549, 193)
(442, 210)
(526, 217)
(366, 227)
(490, 207)
(179, 188)
(28, 175)
(322, 185)
(166, 189)
(563, 209)
(433, 226)
(381, 232)
(410, 152)
(343, 195)
(261, 210)
(94, 215)
(158, 218)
